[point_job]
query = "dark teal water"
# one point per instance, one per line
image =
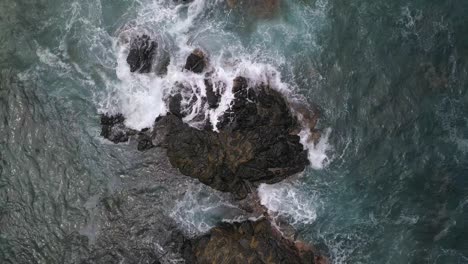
(390, 78)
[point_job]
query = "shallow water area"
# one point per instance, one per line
(387, 181)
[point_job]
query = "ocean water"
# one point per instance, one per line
(387, 182)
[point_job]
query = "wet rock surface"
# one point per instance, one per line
(114, 129)
(213, 97)
(142, 52)
(148, 55)
(255, 143)
(196, 61)
(246, 242)
(256, 139)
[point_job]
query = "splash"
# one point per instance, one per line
(202, 208)
(317, 151)
(285, 200)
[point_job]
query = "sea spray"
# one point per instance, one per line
(286, 200)
(202, 208)
(318, 151)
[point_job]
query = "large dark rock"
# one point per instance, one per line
(142, 52)
(255, 143)
(246, 242)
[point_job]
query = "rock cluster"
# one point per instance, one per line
(256, 141)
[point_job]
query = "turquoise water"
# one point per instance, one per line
(390, 79)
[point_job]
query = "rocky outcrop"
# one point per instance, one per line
(246, 242)
(256, 140)
(256, 143)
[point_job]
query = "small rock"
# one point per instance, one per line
(213, 97)
(239, 83)
(142, 51)
(196, 61)
(175, 105)
(144, 141)
(113, 128)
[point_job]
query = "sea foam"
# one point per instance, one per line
(286, 200)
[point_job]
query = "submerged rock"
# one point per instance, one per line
(196, 61)
(246, 242)
(257, 8)
(255, 143)
(142, 51)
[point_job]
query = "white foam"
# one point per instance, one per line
(140, 96)
(50, 59)
(284, 199)
(317, 152)
(202, 208)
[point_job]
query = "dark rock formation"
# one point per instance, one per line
(196, 61)
(113, 128)
(175, 102)
(246, 242)
(213, 97)
(142, 51)
(255, 143)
